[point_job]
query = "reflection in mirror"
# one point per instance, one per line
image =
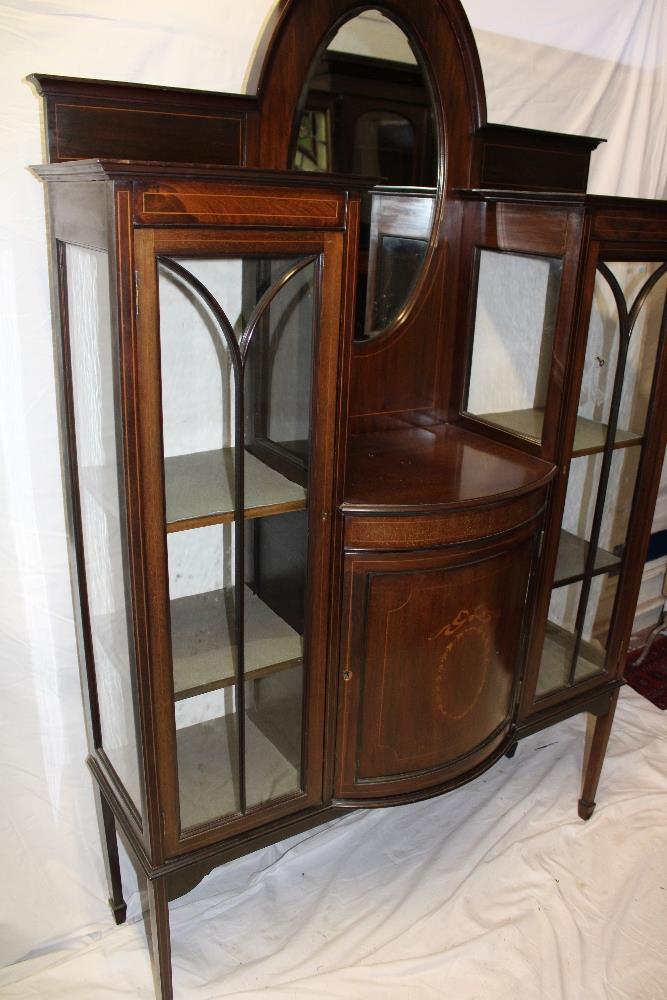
(367, 110)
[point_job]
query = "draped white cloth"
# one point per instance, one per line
(495, 890)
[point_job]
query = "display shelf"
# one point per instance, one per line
(200, 489)
(589, 435)
(571, 560)
(557, 658)
(203, 644)
(208, 770)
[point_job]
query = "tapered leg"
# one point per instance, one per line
(107, 824)
(596, 746)
(155, 905)
(512, 750)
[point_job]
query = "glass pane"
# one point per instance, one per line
(205, 654)
(560, 640)
(278, 375)
(99, 462)
(233, 487)
(597, 382)
(643, 342)
(279, 370)
(558, 646)
(515, 319)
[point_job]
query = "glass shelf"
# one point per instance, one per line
(571, 560)
(589, 436)
(557, 657)
(203, 644)
(199, 489)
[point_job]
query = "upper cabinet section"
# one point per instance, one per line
(95, 119)
(393, 94)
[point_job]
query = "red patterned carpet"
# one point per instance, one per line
(650, 678)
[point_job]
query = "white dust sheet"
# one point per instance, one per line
(496, 891)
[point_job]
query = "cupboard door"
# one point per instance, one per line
(606, 481)
(431, 664)
(248, 356)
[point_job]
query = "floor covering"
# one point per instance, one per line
(649, 678)
(496, 891)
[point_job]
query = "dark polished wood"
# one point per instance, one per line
(524, 159)
(454, 468)
(97, 118)
(596, 747)
(431, 662)
(155, 910)
(107, 825)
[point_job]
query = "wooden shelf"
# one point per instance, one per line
(200, 489)
(452, 467)
(589, 436)
(557, 657)
(208, 770)
(204, 649)
(572, 554)
(526, 423)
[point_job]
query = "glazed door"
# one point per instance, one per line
(612, 472)
(244, 332)
(431, 664)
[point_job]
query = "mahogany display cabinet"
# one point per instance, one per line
(321, 565)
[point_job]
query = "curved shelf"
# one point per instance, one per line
(446, 466)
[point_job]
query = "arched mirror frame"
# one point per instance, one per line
(405, 369)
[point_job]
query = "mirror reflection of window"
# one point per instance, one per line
(368, 111)
(313, 146)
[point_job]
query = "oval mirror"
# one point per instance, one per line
(367, 109)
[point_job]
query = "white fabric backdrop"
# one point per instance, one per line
(596, 68)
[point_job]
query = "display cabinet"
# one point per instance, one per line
(359, 476)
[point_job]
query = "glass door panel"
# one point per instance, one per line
(278, 372)
(624, 332)
(237, 337)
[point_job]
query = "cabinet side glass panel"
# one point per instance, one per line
(515, 320)
(99, 463)
(236, 352)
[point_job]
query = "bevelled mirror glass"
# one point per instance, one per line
(367, 109)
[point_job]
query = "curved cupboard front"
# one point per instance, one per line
(436, 607)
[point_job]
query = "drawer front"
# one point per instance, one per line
(414, 531)
(180, 203)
